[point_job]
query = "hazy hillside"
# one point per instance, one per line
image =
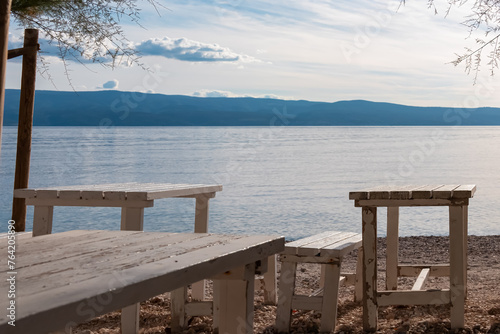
(114, 108)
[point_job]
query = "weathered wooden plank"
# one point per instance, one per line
(424, 192)
(292, 247)
(457, 265)
(464, 191)
(93, 244)
(285, 296)
(421, 279)
(391, 274)
(412, 270)
(342, 247)
(335, 241)
(307, 303)
(199, 308)
(118, 258)
(410, 297)
(88, 202)
(444, 192)
(24, 193)
(330, 298)
(370, 306)
(412, 202)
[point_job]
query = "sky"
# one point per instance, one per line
(297, 50)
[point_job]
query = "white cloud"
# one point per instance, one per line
(224, 93)
(189, 50)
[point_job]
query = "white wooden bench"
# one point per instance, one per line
(328, 249)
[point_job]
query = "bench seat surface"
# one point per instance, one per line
(329, 243)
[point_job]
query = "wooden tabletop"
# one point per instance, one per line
(118, 191)
(73, 276)
(454, 191)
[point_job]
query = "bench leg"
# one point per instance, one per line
(42, 220)
(233, 302)
(285, 295)
(330, 298)
(178, 300)
(130, 319)
(270, 282)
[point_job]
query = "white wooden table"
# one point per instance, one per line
(67, 278)
(131, 197)
(456, 197)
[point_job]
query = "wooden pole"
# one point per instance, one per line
(25, 126)
(4, 42)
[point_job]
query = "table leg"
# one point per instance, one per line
(391, 274)
(201, 215)
(179, 298)
(370, 307)
(132, 219)
(42, 220)
(233, 301)
(200, 226)
(458, 271)
(270, 282)
(130, 319)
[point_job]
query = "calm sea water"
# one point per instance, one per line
(292, 181)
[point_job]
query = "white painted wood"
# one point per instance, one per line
(445, 191)
(300, 302)
(132, 219)
(204, 308)
(425, 192)
(201, 215)
(292, 247)
(179, 299)
(370, 308)
(198, 291)
(340, 248)
(130, 319)
(309, 259)
(316, 249)
(233, 303)
(332, 245)
(436, 270)
(358, 288)
(410, 297)
(464, 191)
(457, 266)
(285, 296)
(392, 261)
(412, 202)
(42, 220)
(270, 281)
(146, 274)
(330, 298)
(84, 202)
(421, 279)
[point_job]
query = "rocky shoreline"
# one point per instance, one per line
(482, 314)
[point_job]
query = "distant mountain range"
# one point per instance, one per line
(115, 108)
